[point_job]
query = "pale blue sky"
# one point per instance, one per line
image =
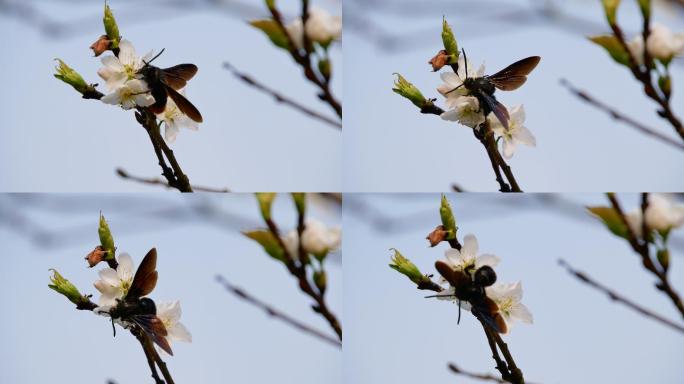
(46, 340)
(52, 140)
(395, 335)
(389, 146)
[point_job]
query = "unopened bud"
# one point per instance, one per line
(64, 286)
(405, 267)
(111, 28)
(450, 45)
(106, 239)
(409, 91)
(265, 200)
(325, 68)
(71, 77)
(321, 280)
(448, 219)
(664, 258)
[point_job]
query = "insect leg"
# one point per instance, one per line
(459, 313)
(113, 327)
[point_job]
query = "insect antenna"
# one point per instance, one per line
(459, 313)
(113, 327)
(465, 60)
(157, 55)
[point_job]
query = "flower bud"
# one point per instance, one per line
(64, 286)
(409, 91)
(450, 45)
(106, 239)
(101, 45)
(448, 219)
(437, 236)
(321, 280)
(406, 267)
(325, 68)
(96, 255)
(664, 258)
(265, 200)
(111, 28)
(665, 85)
(71, 77)
(610, 7)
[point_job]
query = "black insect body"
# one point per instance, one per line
(471, 288)
(166, 82)
(507, 79)
(141, 311)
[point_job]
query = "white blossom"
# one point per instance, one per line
(662, 44)
(455, 80)
(516, 133)
(467, 259)
(115, 283)
(321, 27)
(662, 214)
(131, 94)
(465, 110)
(169, 314)
(317, 239)
(507, 297)
(118, 70)
(174, 119)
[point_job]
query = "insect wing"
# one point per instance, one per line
(155, 328)
(184, 105)
(515, 75)
(178, 75)
(145, 277)
(457, 279)
(486, 309)
(497, 108)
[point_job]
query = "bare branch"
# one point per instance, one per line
(617, 115)
(157, 181)
(280, 97)
(619, 298)
(275, 313)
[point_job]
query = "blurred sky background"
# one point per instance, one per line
(52, 140)
(45, 339)
(395, 335)
(389, 146)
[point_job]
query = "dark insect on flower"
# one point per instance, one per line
(471, 288)
(507, 79)
(139, 310)
(166, 82)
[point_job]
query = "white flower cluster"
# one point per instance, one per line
(115, 283)
(662, 215)
(129, 90)
(662, 44)
(317, 239)
(465, 109)
(321, 27)
(507, 296)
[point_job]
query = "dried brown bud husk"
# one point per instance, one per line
(437, 236)
(101, 45)
(98, 254)
(441, 59)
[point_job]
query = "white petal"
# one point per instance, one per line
(127, 54)
(453, 256)
(521, 313)
(451, 115)
(470, 247)
(143, 100)
(125, 268)
(508, 148)
(109, 276)
(487, 259)
(524, 136)
(112, 63)
(180, 333)
(106, 300)
(170, 132)
(113, 98)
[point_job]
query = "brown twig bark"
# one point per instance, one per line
(583, 277)
(156, 181)
(617, 115)
(641, 247)
(478, 376)
(300, 272)
(304, 59)
(277, 314)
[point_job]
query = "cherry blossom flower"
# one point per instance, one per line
(115, 283)
(465, 110)
(516, 133)
(317, 239)
(321, 27)
(118, 70)
(174, 119)
(508, 296)
(662, 43)
(467, 259)
(169, 314)
(133, 93)
(454, 80)
(662, 214)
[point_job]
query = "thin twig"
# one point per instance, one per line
(617, 115)
(642, 249)
(279, 97)
(275, 313)
(157, 181)
(478, 376)
(620, 298)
